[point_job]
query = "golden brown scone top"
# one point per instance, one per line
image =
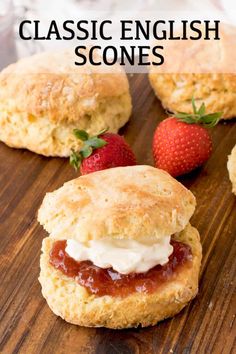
(124, 202)
(50, 84)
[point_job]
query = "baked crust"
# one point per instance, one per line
(208, 76)
(73, 303)
(124, 202)
(231, 165)
(44, 97)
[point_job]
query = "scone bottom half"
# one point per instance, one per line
(83, 292)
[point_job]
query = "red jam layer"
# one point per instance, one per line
(102, 282)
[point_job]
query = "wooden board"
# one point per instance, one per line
(27, 325)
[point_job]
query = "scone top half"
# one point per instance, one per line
(120, 251)
(45, 96)
(136, 203)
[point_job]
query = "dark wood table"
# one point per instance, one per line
(27, 325)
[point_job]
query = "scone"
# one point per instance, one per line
(199, 69)
(120, 252)
(44, 97)
(232, 168)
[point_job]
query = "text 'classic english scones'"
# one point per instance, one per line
(44, 97)
(232, 168)
(201, 69)
(120, 251)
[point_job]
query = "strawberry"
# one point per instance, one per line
(182, 143)
(100, 152)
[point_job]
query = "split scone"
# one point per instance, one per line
(44, 97)
(120, 252)
(199, 69)
(232, 168)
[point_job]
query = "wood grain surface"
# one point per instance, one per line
(27, 325)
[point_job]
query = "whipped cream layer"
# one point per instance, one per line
(124, 256)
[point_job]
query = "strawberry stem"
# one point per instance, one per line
(199, 116)
(91, 143)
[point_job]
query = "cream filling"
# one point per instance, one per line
(124, 256)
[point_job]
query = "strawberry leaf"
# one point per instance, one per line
(194, 106)
(81, 134)
(210, 120)
(75, 160)
(102, 131)
(86, 151)
(185, 117)
(96, 143)
(202, 110)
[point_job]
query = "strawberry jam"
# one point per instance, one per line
(102, 282)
